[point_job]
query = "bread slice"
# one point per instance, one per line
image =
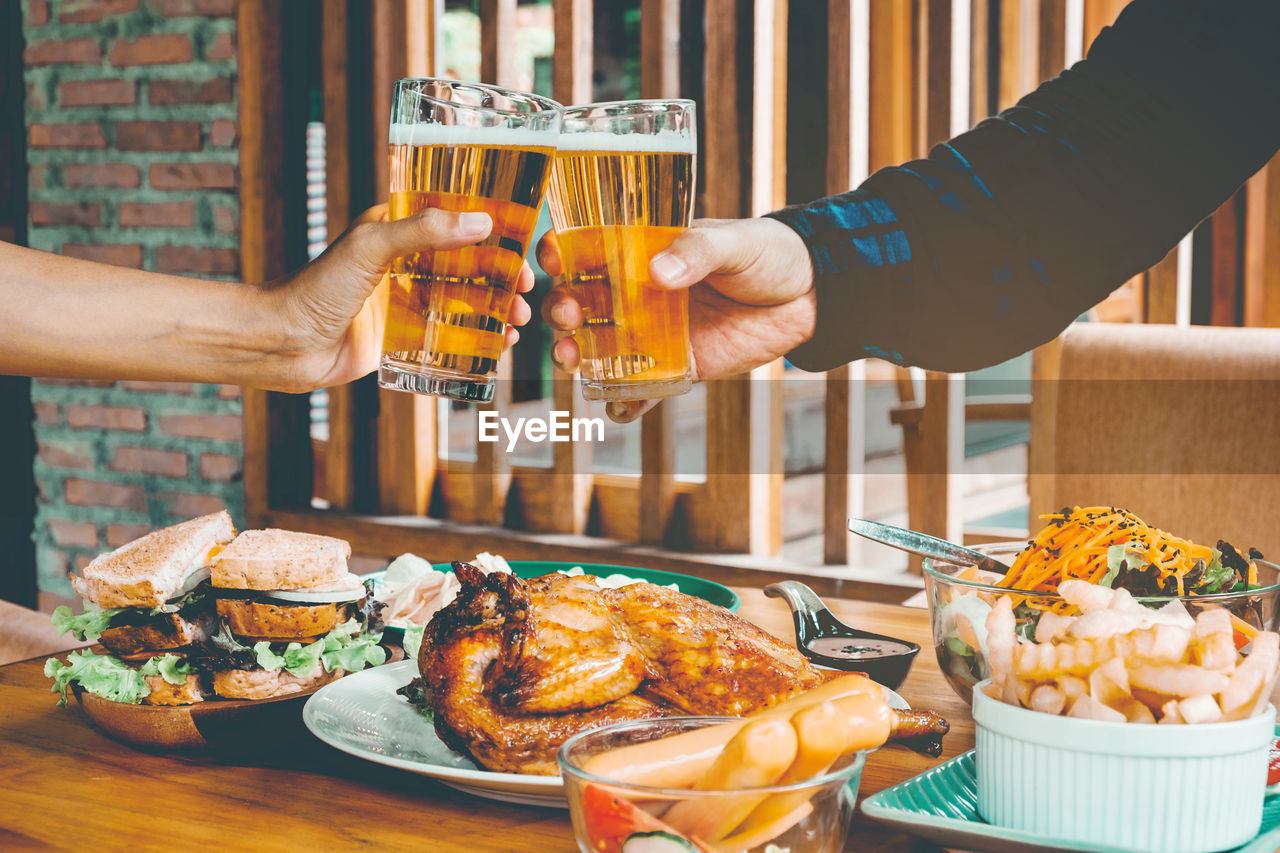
(147, 572)
(281, 559)
(261, 684)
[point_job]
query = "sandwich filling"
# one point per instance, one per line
(291, 615)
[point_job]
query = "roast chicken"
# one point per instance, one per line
(512, 668)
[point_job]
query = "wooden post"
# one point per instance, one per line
(492, 476)
(744, 413)
(848, 110)
(659, 78)
(568, 493)
(1262, 248)
(498, 41)
(659, 48)
(277, 447)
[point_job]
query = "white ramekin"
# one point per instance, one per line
(1164, 789)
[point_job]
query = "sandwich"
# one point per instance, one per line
(149, 604)
(292, 616)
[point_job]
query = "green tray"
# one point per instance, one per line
(941, 805)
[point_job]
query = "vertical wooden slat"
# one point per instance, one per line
(277, 450)
(933, 70)
(980, 102)
(721, 168)
(659, 78)
(406, 453)
(727, 412)
(657, 473)
(1160, 291)
(845, 409)
(1019, 43)
(568, 492)
(498, 41)
(892, 100)
(1226, 264)
(1051, 48)
(744, 474)
(1042, 443)
(1262, 248)
(743, 483)
(403, 37)
(892, 123)
(423, 36)
(659, 48)
(339, 462)
(492, 476)
(572, 64)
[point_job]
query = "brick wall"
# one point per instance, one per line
(131, 132)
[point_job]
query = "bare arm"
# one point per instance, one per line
(319, 326)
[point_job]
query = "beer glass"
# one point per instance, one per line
(621, 191)
(462, 147)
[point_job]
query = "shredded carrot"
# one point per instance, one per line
(1074, 545)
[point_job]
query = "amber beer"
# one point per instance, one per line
(447, 310)
(622, 191)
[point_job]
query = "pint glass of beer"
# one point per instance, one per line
(461, 146)
(621, 191)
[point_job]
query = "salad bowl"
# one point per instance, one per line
(959, 605)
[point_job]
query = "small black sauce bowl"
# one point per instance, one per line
(814, 621)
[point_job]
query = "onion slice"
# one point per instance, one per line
(349, 589)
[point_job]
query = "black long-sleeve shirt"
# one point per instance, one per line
(1005, 234)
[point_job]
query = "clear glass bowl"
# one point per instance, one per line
(958, 610)
(605, 812)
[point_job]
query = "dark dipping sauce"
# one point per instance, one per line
(851, 649)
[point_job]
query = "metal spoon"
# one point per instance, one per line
(828, 642)
(925, 545)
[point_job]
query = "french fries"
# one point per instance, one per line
(1120, 661)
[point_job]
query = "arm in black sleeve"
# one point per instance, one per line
(1005, 234)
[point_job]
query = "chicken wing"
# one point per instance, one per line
(565, 647)
(705, 660)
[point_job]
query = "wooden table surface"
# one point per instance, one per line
(64, 785)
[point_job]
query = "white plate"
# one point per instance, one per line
(363, 716)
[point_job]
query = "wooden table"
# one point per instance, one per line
(65, 785)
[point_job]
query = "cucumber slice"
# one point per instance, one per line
(657, 842)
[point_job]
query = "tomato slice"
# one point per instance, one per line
(1273, 763)
(609, 819)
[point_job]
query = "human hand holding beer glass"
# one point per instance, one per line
(622, 191)
(461, 147)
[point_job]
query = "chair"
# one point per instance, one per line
(1180, 425)
(27, 633)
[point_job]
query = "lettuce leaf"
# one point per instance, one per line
(1217, 577)
(342, 648)
(88, 625)
(102, 675)
(296, 659)
(412, 641)
(171, 668)
(1117, 554)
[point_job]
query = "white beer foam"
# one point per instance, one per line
(662, 142)
(452, 134)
